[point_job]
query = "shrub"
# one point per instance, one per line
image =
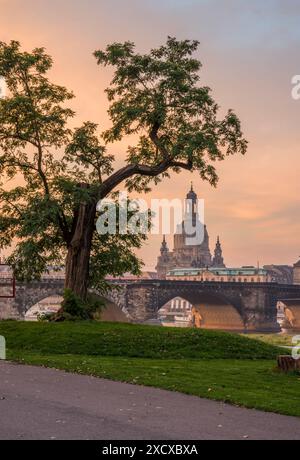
(75, 309)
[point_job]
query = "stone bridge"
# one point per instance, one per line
(242, 306)
(21, 297)
(232, 306)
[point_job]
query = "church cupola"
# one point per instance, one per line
(191, 204)
(192, 195)
(218, 260)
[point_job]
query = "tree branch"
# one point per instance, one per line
(16, 163)
(14, 206)
(144, 170)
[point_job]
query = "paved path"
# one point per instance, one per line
(38, 403)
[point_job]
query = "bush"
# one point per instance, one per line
(75, 309)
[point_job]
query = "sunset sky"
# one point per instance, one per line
(249, 52)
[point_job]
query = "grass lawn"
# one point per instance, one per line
(209, 364)
(275, 339)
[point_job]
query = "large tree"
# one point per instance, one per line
(53, 176)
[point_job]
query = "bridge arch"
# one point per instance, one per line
(30, 294)
(209, 310)
(291, 309)
(50, 304)
(114, 309)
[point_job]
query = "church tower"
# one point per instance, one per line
(218, 260)
(164, 262)
(164, 250)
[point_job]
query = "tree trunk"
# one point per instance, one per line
(79, 250)
(287, 363)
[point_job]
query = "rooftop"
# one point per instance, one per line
(247, 271)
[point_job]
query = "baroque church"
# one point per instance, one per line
(186, 255)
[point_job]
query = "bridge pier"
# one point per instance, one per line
(142, 302)
(260, 309)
